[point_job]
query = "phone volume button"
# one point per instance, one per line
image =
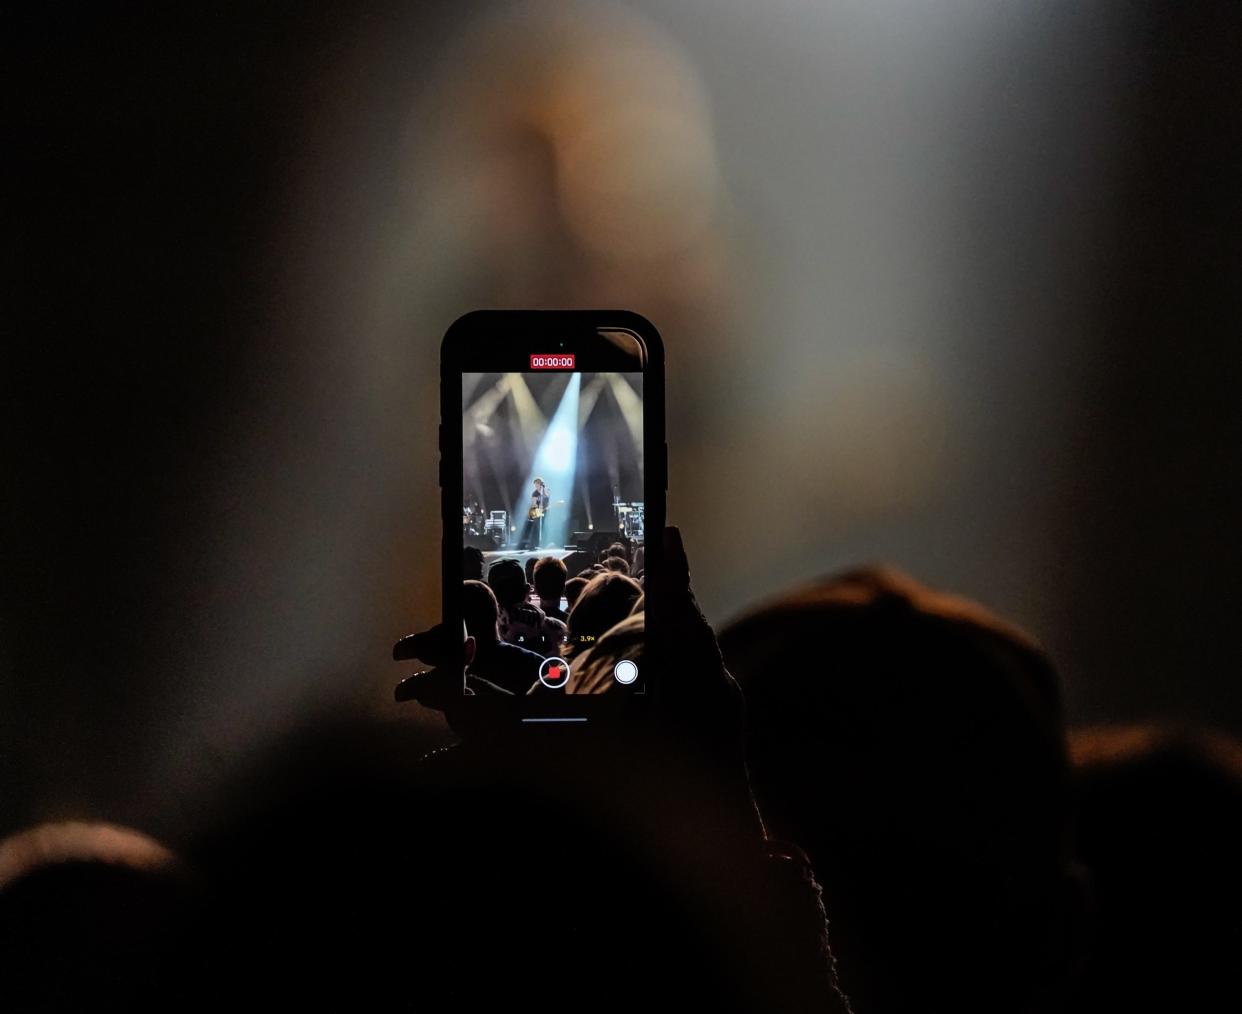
(440, 472)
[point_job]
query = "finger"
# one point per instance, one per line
(431, 688)
(683, 608)
(676, 564)
(430, 646)
(404, 650)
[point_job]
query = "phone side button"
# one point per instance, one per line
(664, 468)
(441, 473)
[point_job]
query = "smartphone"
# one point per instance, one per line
(553, 478)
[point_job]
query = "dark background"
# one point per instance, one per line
(949, 284)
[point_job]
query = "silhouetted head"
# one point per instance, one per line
(604, 602)
(550, 575)
(508, 580)
(471, 563)
(93, 917)
(581, 855)
(573, 588)
(617, 564)
(913, 743)
(1160, 830)
(315, 856)
(489, 876)
(481, 612)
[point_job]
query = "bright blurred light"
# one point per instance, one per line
(555, 462)
(559, 448)
(591, 128)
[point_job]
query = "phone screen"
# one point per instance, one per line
(553, 525)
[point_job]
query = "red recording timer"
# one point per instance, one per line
(561, 361)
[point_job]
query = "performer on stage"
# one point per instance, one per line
(532, 534)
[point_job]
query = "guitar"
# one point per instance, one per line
(537, 510)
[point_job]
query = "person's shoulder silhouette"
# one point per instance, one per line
(1159, 826)
(913, 743)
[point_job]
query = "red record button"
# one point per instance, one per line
(554, 673)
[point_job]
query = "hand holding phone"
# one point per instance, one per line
(700, 706)
(554, 464)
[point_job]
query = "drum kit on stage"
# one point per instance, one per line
(492, 527)
(629, 520)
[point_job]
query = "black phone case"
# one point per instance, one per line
(501, 341)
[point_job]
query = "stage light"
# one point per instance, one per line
(556, 463)
(591, 527)
(631, 406)
(559, 448)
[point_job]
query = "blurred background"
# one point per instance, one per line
(947, 284)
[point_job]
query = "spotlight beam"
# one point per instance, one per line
(555, 461)
(631, 406)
